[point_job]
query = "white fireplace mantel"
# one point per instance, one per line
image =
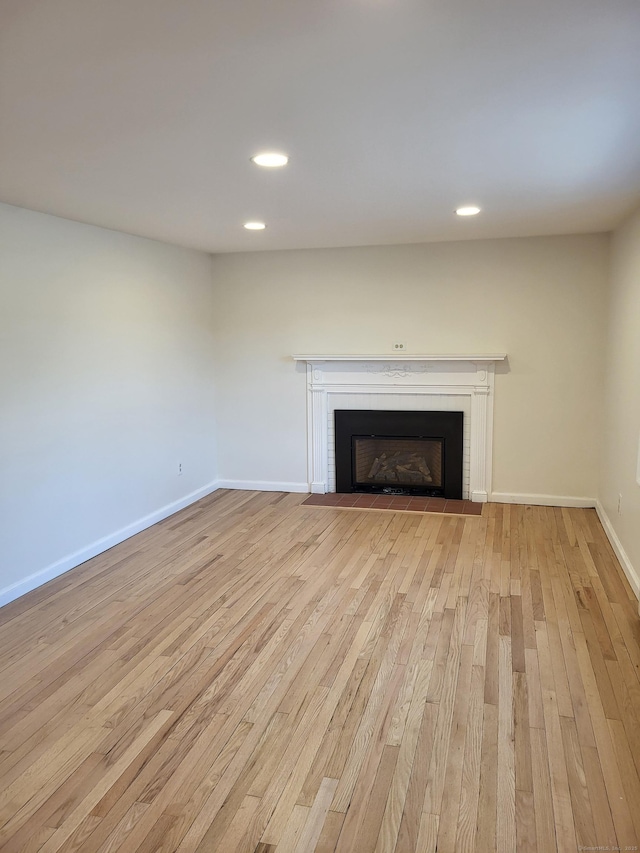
(461, 376)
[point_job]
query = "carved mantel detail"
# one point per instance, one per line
(396, 371)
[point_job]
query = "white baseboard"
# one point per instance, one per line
(632, 575)
(263, 486)
(541, 500)
(15, 590)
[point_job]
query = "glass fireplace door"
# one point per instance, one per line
(387, 461)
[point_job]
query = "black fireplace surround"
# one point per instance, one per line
(395, 452)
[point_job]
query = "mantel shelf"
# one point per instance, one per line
(476, 359)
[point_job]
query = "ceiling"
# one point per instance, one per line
(141, 116)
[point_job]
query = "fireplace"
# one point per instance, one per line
(399, 452)
(452, 382)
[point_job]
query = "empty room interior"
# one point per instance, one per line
(319, 426)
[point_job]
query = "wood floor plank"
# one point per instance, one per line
(395, 805)
(542, 796)
(317, 816)
(470, 788)
(256, 676)
(580, 801)
(506, 827)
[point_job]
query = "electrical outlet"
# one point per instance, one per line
(620, 504)
(179, 469)
(399, 347)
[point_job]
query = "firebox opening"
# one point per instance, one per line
(399, 452)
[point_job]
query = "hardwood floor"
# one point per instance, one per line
(255, 675)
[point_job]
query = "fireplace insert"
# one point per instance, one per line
(399, 453)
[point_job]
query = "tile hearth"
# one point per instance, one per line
(395, 503)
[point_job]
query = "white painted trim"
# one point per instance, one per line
(541, 500)
(476, 359)
(15, 590)
(632, 575)
(264, 486)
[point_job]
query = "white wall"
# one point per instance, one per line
(106, 366)
(541, 300)
(621, 434)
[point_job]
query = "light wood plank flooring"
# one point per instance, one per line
(255, 675)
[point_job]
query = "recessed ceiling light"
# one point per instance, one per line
(255, 226)
(471, 210)
(270, 159)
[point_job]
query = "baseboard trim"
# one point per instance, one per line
(15, 590)
(263, 486)
(632, 575)
(541, 500)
